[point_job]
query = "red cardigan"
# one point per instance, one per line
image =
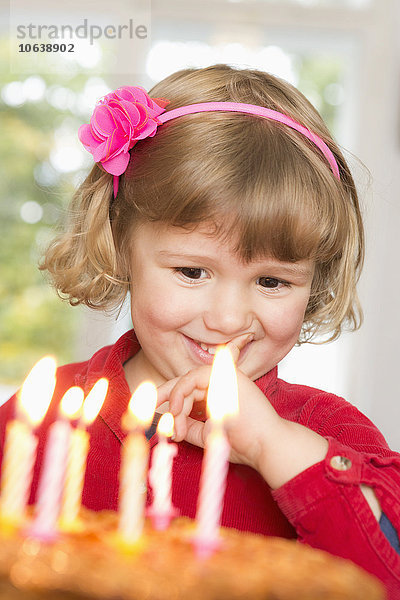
(322, 506)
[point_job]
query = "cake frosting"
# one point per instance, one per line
(164, 566)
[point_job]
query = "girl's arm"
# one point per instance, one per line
(295, 449)
(279, 451)
(331, 472)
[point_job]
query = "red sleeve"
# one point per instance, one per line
(325, 503)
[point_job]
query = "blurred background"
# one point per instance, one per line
(344, 55)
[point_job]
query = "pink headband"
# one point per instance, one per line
(128, 115)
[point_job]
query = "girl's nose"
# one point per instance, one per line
(228, 312)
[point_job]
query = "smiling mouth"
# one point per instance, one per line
(206, 351)
(210, 348)
(205, 346)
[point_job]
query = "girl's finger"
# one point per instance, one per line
(176, 389)
(187, 384)
(237, 344)
(164, 390)
(182, 418)
(195, 433)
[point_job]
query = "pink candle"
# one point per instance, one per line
(160, 475)
(212, 491)
(21, 443)
(51, 482)
(52, 475)
(222, 402)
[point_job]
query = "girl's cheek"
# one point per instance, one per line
(158, 310)
(286, 323)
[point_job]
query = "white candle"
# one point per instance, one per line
(222, 402)
(135, 455)
(74, 478)
(160, 475)
(19, 458)
(21, 443)
(133, 487)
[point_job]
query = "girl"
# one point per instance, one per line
(222, 204)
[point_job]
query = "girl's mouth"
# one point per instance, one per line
(201, 352)
(210, 348)
(204, 352)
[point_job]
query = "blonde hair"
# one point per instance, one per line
(257, 181)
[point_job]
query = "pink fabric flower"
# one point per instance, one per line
(118, 121)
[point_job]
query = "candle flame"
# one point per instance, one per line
(143, 403)
(166, 425)
(37, 390)
(222, 397)
(94, 401)
(71, 402)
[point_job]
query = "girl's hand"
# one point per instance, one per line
(247, 432)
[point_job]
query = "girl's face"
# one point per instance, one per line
(190, 292)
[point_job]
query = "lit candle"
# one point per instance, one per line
(135, 454)
(20, 443)
(222, 402)
(52, 474)
(77, 455)
(160, 475)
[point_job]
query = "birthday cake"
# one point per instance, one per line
(164, 566)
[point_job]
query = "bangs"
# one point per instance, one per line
(274, 197)
(284, 216)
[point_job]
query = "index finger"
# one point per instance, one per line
(197, 379)
(164, 390)
(237, 344)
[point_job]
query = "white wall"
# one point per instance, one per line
(373, 374)
(363, 366)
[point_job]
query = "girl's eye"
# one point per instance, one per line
(191, 272)
(271, 283)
